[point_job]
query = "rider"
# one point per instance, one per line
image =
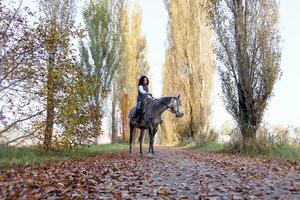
(143, 92)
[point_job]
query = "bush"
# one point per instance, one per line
(200, 140)
(273, 142)
(203, 140)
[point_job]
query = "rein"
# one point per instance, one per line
(168, 107)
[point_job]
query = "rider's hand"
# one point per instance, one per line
(150, 94)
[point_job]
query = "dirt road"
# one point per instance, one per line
(172, 174)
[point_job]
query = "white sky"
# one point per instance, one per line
(283, 108)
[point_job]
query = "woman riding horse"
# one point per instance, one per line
(143, 92)
(152, 115)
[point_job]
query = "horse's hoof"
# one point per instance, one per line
(150, 155)
(142, 155)
(130, 154)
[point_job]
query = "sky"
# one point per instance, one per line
(283, 108)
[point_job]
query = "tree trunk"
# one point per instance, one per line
(125, 119)
(246, 113)
(125, 123)
(113, 120)
(50, 103)
(97, 121)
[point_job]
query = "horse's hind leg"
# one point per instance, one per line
(131, 138)
(141, 141)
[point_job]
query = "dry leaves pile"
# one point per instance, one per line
(173, 174)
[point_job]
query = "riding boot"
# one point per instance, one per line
(137, 113)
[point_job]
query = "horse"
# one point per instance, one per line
(152, 118)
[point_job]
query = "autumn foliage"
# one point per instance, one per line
(248, 48)
(53, 92)
(133, 63)
(189, 68)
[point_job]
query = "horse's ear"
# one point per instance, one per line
(178, 96)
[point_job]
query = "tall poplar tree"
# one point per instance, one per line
(100, 52)
(249, 54)
(189, 68)
(133, 63)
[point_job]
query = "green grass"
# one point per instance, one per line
(279, 152)
(33, 156)
(210, 147)
(282, 152)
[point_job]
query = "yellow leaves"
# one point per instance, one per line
(164, 191)
(189, 64)
(68, 111)
(296, 187)
(133, 61)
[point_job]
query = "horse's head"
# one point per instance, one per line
(175, 106)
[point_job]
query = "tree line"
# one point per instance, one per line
(54, 90)
(238, 38)
(57, 79)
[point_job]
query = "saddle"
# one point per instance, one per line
(139, 118)
(145, 103)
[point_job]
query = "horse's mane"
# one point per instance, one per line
(165, 100)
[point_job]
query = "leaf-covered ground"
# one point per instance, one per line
(173, 174)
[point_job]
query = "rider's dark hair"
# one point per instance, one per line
(141, 80)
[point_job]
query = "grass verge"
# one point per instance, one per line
(210, 147)
(279, 152)
(33, 156)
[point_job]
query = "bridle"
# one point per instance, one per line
(168, 107)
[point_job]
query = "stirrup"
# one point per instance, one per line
(135, 121)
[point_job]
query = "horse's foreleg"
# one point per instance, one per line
(152, 138)
(131, 138)
(151, 144)
(141, 141)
